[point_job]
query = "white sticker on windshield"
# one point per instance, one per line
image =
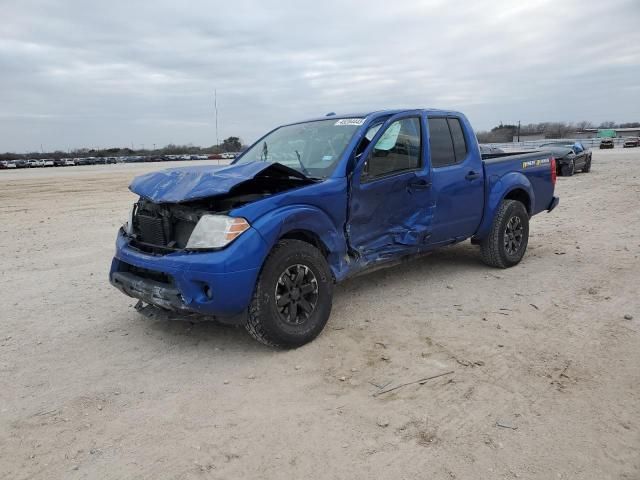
(327, 158)
(350, 121)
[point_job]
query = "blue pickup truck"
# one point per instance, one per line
(262, 242)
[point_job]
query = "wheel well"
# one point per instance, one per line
(309, 237)
(521, 196)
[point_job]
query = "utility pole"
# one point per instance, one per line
(518, 131)
(215, 106)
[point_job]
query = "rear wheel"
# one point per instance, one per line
(507, 242)
(293, 297)
(569, 169)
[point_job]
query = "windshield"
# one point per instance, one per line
(312, 148)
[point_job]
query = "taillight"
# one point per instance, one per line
(552, 161)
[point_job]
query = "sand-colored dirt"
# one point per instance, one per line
(90, 389)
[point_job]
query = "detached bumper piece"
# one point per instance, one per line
(150, 291)
(554, 203)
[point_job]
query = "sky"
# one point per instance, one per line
(77, 73)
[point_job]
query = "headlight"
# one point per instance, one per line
(216, 231)
(128, 226)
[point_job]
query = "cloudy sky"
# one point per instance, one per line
(79, 73)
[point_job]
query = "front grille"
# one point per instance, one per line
(151, 230)
(167, 227)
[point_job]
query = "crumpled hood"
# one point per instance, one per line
(184, 184)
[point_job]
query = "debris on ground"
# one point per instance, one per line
(422, 381)
(383, 422)
(504, 424)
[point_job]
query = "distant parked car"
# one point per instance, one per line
(606, 143)
(570, 157)
(63, 162)
(631, 142)
(20, 163)
(4, 164)
(34, 162)
(48, 162)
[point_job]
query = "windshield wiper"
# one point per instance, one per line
(306, 172)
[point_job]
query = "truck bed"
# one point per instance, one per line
(534, 165)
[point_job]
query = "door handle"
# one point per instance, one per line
(472, 175)
(419, 184)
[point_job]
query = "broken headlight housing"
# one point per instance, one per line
(216, 231)
(127, 227)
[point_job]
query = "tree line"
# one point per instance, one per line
(504, 133)
(230, 144)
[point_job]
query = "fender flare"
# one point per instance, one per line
(277, 223)
(507, 184)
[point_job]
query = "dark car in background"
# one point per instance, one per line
(631, 142)
(486, 149)
(570, 157)
(606, 143)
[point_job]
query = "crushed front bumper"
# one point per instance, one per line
(215, 283)
(155, 293)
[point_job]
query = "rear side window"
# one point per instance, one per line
(440, 143)
(447, 142)
(459, 143)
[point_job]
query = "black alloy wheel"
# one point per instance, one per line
(513, 235)
(296, 294)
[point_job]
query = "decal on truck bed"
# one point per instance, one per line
(535, 163)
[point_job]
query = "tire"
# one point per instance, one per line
(291, 264)
(494, 249)
(587, 166)
(568, 170)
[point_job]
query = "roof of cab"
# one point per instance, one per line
(377, 113)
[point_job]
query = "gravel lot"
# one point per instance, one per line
(546, 369)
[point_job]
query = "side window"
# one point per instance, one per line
(396, 150)
(459, 143)
(440, 143)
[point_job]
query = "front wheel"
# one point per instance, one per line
(587, 166)
(507, 242)
(292, 300)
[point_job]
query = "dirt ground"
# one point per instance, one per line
(546, 369)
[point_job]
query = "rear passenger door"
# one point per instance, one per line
(457, 179)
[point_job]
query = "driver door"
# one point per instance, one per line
(389, 209)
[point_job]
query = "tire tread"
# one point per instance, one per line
(254, 325)
(491, 246)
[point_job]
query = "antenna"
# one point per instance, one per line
(215, 106)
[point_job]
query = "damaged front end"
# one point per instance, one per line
(180, 250)
(162, 222)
